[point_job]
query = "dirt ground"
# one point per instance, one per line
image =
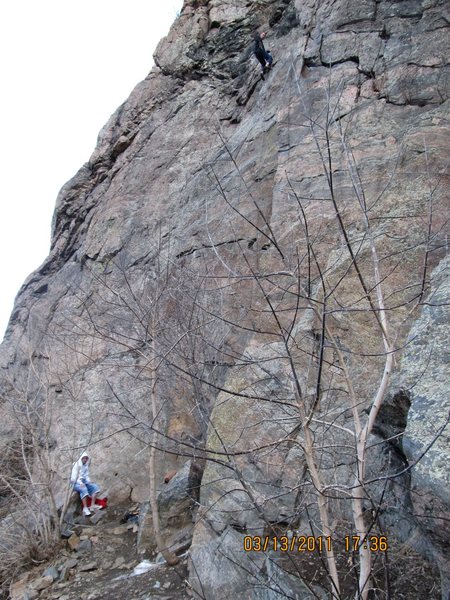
(100, 562)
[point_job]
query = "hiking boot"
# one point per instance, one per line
(86, 512)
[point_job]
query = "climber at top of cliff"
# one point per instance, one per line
(264, 56)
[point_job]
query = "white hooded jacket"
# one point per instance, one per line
(80, 472)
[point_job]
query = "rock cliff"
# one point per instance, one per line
(249, 277)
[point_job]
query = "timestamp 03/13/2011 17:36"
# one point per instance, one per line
(308, 543)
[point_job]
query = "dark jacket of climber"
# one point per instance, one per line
(264, 57)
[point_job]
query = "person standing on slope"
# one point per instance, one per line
(81, 481)
(264, 57)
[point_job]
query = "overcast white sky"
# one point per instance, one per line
(66, 65)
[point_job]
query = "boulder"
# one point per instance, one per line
(73, 542)
(255, 575)
(42, 583)
(51, 572)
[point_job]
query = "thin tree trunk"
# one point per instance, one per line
(169, 556)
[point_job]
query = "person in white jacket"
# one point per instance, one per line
(82, 483)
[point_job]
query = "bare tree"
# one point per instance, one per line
(331, 401)
(35, 491)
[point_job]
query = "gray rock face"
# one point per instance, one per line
(426, 373)
(200, 282)
(255, 576)
(177, 499)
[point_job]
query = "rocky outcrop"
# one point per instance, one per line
(213, 260)
(424, 371)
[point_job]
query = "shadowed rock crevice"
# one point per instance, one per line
(393, 417)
